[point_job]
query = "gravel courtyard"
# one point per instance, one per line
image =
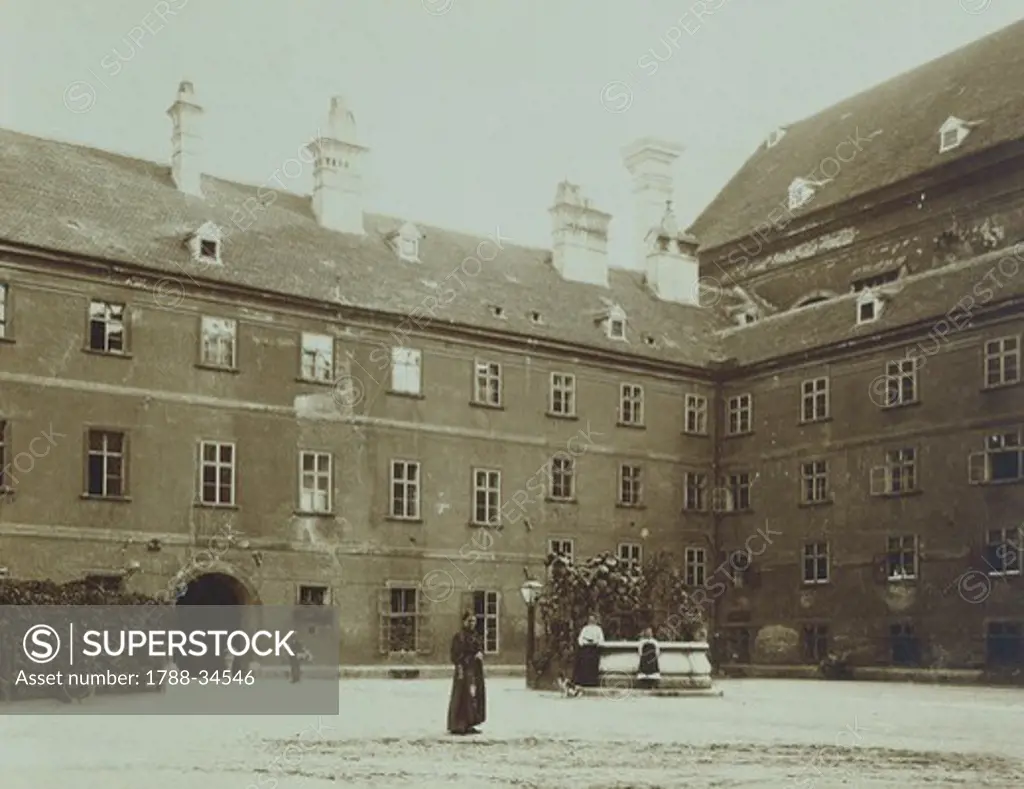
(762, 734)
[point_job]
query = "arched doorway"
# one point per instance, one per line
(219, 589)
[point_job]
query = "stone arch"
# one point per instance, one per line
(228, 577)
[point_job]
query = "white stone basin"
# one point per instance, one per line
(683, 664)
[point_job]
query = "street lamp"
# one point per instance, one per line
(530, 591)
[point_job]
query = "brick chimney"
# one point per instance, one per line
(580, 237)
(337, 172)
(671, 262)
(186, 141)
(650, 163)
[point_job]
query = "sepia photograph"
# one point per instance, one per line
(510, 394)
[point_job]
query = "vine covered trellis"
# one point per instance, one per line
(627, 597)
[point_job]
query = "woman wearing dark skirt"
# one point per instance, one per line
(649, 673)
(467, 707)
(588, 654)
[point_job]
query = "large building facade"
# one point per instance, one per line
(811, 398)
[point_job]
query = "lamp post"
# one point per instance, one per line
(530, 591)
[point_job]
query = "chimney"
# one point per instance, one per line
(337, 172)
(186, 141)
(650, 162)
(580, 237)
(671, 261)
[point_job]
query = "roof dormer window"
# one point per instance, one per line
(615, 324)
(775, 137)
(205, 244)
(869, 308)
(407, 242)
(953, 132)
(800, 193)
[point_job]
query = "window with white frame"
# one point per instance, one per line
(615, 324)
(317, 357)
(107, 327)
(800, 193)
(563, 394)
(952, 132)
(869, 307)
(315, 481)
(313, 595)
(405, 489)
(695, 566)
(1002, 551)
(630, 485)
(695, 491)
(561, 546)
(217, 473)
(402, 620)
(1002, 460)
(738, 492)
(632, 553)
(106, 467)
(815, 400)
(897, 475)
(487, 384)
(814, 482)
(1002, 361)
(406, 371)
(696, 422)
(901, 558)
(740, 411)
(218, 343)
(3, 310)
(816, 563)
(486, 605)
(901, 382)
(631, 405)
(563, 478)
(5, 455)
(486, 497)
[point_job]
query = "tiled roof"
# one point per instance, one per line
(85, 201)
(980, 83)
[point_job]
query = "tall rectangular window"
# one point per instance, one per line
(631, 405)
(816, 563)
(814, 405)
(695, 491)
(5, 455)
(630, 485)
(400, 623)
(3, 311)
(219, 342)
(107, 327)
(563, 394)
(814, 482)
(1003, 551)
(901, 558)
(1002, 460)
(696, 416)
(561, 546)
(632, 553)
(317, 357)
(486, 497)
(1002, 361)
(563, 478)
(740, 414)
(405, 489)
(217, 473)
(901, 382)
(897, 475)
(406, 371)
(105, 470)
(315, 482)
(485, 610)
(695, 566)
(487, 384)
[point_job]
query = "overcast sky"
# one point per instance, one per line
(473, 109)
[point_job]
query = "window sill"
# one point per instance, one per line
(314, 513)
(109, 354)
(901, 579)
(217, 368)
(746, 511)
(633, 425)
(695, 435)
(1004, 574)
(5, 338)
(554, 415)
(813, 584)
(397, 519)
(693, 511)
(556, 500)
(494, 526)
(203, 505)
(987, 482)
(818, 421)
(623, 506)
(824, 503)
(898, 406)
(998, 387)
(897, 494)
(313, 381)
(115, 499)
(409, 395)
(739, 435)
(486, 406)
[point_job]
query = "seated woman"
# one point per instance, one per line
(649, 674)
(588, 654)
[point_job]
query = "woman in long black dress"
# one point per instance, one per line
(588, 654)
(467, 707)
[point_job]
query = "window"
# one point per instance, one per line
(563, 394)
(901, 558)
(630, 485)
(5, 455)
(219, 341)
(816, 563)
(106, 327)
(947, 140)
(1001, 461)
(740, 408)
(3, 311)
(876, 281)
(1004, 645)
(815, 400)
(632, 553)
(1002, 551)
(695, 566)
(559, 546)
(1002, 361)
(800, 193)
(486, 497)
(814, 645)
(814, 476)
(906, 650)
(314, 595)
(869, 307)
(485, 609)
(952, 132)
(205, 244)
(400, 621)
(900, 383)
(315, 482)
(736, 492)
(563, 478)
(487, 384)
(217, 473)
(409, 249)
(898, 474)
(405, 489)
(209, 250)
(406, 371)
(105, 468)
(631, 405)
(317, 357)
(616, 325)
(696, 415)
(695, 491)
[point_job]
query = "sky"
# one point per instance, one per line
(473, 110)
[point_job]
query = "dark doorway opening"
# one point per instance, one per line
(212, 589)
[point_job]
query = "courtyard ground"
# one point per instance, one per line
(762, 733)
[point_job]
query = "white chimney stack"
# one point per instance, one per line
(671, 263)
(650, 162)
(186, 141)
(337, 172)
(579, 236)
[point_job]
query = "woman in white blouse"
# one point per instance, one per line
(588, 654)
